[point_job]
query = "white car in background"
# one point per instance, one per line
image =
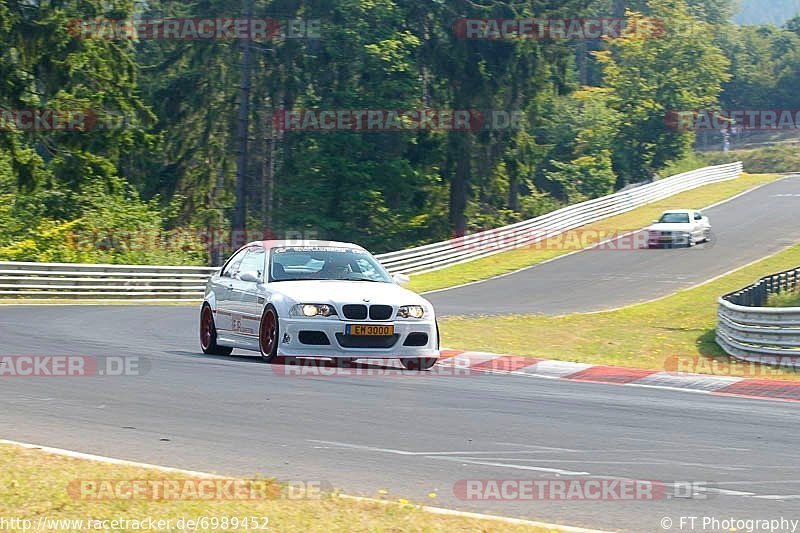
(679, 227)
(320, 299)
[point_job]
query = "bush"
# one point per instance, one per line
(766, 160)
(113, 228)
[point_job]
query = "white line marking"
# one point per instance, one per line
(726, 492)
(543, 448)
(465, 514)
(439, 455)
(434, 510)
(691, 446)
(644, 461)
(406, 452)
(509, 465)
(109, 460)
(375, 449)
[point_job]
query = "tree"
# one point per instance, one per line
(651, 77)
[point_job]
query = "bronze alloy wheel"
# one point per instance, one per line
(208, 334)
(268, 335)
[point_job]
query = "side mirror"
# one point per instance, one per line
(400, 279)
(250, 276)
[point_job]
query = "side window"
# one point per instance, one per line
(253, 261)
(233, 264)
(698, 215)
(366, 268)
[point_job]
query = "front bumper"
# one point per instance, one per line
(340, 345)
(667, 239)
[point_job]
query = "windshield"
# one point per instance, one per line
(300, 263)
(674, 218)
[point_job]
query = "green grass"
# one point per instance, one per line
(779, 158)
(785, 299)
(648, 335)
(35, 484)
(638, 218)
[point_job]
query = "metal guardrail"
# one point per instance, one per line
(78, 281)
(72, 280)
(477, 245)
(748, 330)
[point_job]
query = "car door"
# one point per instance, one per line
(246, 296)
(224, 292)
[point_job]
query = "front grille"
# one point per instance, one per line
(355, 311)
(380, 312)
(416, 339)
(358, 341)
(314, 338)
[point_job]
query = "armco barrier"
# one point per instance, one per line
(747, 330)
(71, 280)
(474, 246)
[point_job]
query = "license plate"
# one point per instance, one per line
(368, 330)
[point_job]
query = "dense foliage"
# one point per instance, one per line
(163, 154)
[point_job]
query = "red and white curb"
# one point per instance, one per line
(768, 389)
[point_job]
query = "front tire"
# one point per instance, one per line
(268, 334)
(208, 334)
(418, 363)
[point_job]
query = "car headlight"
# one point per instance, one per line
(411, 311)
(309, 310)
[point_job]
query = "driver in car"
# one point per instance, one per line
(336, 268)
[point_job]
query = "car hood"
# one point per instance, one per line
(334, 291)
(682, 226)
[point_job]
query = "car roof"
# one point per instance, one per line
(300, 243)
(679, 211)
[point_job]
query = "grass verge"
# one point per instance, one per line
(785, 299)
(638, 218)
(35, 484)
(648, 335)
(778, 158)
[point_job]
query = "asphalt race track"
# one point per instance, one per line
(406, 434)
(746, 228)
(413, 434)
